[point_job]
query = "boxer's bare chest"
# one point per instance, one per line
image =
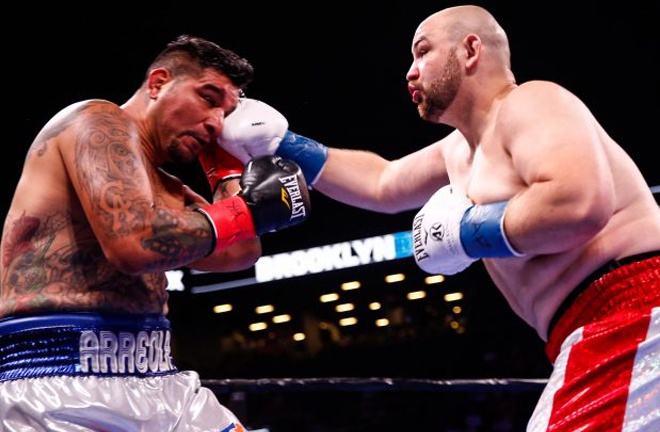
(486, 173)
(54, 262)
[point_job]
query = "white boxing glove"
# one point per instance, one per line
(450, 232)
(437, 233)
(255, 128)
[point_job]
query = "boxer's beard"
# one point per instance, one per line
(443, 89)
(176, 155)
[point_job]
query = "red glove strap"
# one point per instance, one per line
(218, 165)
(231, 220)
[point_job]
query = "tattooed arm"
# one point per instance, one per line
(140, 225)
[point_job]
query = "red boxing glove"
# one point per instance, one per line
(231, 221)
(219, 165)
(273, 196)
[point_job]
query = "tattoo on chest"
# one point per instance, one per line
(42, 273)
(33, 260)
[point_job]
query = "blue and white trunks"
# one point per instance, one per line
(90, 372)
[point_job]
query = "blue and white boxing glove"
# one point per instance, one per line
(255, 128)
(451, 232)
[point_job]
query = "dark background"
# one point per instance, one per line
(337, 71)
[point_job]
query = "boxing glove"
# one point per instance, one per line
(219, 166)
(273, 196)
(450, 232)
(255, 128)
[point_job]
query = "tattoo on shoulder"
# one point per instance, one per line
(108, 168)
(54, 128)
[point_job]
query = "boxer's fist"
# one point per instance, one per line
(275, 192)
(450, 232)
(255, 128)
(437, 233)
(274, 196)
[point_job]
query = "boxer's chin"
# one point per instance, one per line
(430, 112)
(181, 154)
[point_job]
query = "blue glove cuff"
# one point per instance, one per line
(482, 232)
(307, 153)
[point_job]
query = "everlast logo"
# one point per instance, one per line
(419, 238)
(292, 195)
(125, 352)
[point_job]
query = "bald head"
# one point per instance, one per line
(461, 58)
(455, 23)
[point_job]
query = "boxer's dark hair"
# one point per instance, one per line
(178, 54)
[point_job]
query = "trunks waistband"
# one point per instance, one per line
(594, 276)
(630, 286)
(83, 344)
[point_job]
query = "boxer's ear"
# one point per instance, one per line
(156, 79)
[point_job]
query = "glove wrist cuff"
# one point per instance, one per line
(230, 220)
(310, 155)
(482, 232)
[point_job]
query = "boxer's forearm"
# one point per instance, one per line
(239, 256)
(576, 217)
(366, 180)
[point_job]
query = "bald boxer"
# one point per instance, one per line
(94, 224)
(530, 184)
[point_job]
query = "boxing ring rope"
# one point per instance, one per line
(344, 404)
(376, 384)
